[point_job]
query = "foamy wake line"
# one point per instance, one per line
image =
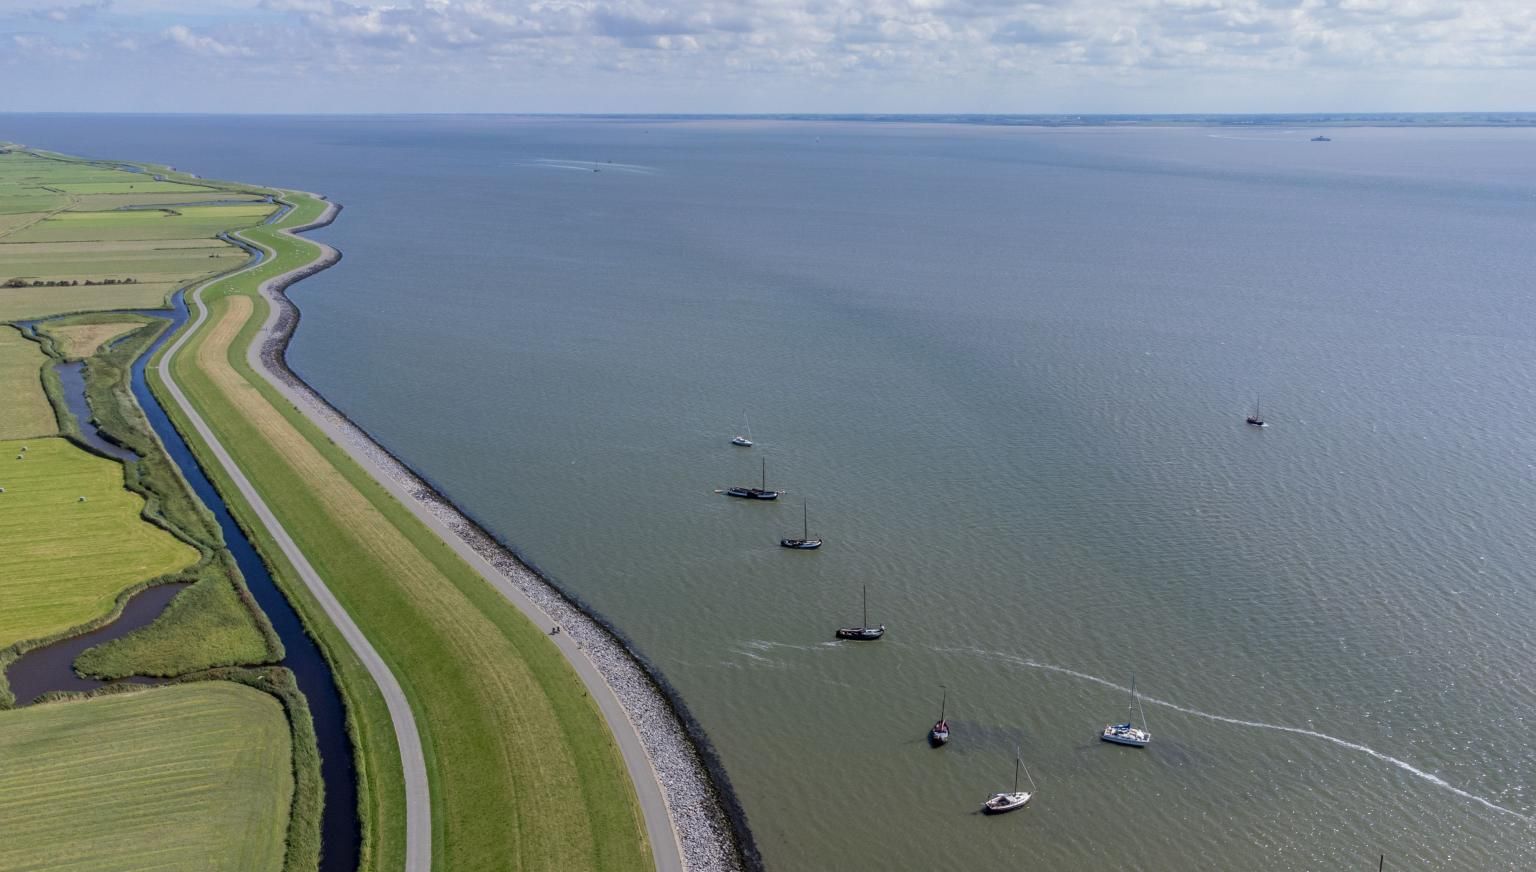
(590, 165)
(1262, 725)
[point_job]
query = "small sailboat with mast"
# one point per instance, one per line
(1128, 733)
(864, 633)
(938, 735)
(1015, 799)
(1257, 418)
(744, 441)
(805, 542)
(754, 493)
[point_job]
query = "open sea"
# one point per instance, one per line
(1008, 367)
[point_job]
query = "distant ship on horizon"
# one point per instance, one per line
(1321, 138)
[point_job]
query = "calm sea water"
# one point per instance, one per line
(1008, 368)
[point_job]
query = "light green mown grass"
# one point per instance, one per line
(145, 185)
(24, 407)
(529, 777)
(181, 223)
(103, 202)
(62, 561)
(151, 261)
(23, 303)
(193, 777)
(15, 200)
(11, 222)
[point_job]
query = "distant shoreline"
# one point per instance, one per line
(1496, 120)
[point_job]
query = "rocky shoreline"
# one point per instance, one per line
(706, 815)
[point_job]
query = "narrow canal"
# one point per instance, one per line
(50, 667)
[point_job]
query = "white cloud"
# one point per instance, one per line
(853, 47)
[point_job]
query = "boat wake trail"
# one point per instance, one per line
(1404, 765)
(550, 163)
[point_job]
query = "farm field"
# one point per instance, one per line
(64, 562)
(189, 777)
(173, 260)
(188, 222)
(145, 185)
(103, 202)
(82, 340)
(25, 410)
(26, 303)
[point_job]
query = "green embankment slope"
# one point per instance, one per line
(525, 776)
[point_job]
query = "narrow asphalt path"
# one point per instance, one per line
(666, 848)
(418, 805)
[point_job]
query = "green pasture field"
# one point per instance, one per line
(536, 779)
(63, 562)
(24, 407)
(188, 778)
(76, 260)
(146, 185)
(23, 303)
(9, 223)
(105, 202)
(15, 199)
(183, 223)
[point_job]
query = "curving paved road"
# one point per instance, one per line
(666, 847)
(662, 834)
(418, 806)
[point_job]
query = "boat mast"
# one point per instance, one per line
(1137, 697)
(1017, 761)
(866, 606)
(748, 422)
(765, 474)
(942, 701)
(805, 532)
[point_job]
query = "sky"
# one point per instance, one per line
(750, 56)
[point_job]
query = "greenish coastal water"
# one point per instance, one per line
(1009, 369)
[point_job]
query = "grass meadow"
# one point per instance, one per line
(24, 407)
(187, 778)
(64, 560)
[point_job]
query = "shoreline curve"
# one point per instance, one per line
(707, 825)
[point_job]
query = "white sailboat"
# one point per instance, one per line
(744, 441)
(1005, 802)
(1128, 733)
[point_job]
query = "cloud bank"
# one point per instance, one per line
(769, 55)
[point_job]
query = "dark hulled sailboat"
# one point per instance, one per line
(755, 493)
(805, 542)
(1257, 418)
(938, 736)
(865, 633)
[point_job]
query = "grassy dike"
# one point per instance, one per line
(524, 772)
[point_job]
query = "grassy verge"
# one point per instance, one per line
(192, 777)
(529, 776)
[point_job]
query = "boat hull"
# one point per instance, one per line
(861, 634)
(752, 493)
(938, 736)
(800, 544)
(1131, 740)
(1003, 803)
(742, 442)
